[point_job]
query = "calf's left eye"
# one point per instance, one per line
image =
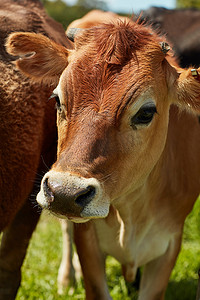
(144, 116)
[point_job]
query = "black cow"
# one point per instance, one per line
(182, 28)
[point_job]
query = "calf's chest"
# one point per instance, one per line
(127, 246)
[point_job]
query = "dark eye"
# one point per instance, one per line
(144, 116)
(58, 105)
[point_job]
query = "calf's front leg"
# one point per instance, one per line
(92, 262)
(156, 273)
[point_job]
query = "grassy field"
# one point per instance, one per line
(40, 268)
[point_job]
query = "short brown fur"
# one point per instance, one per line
(28, 139)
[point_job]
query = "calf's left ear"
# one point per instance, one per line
(38, 57)
(187, 89)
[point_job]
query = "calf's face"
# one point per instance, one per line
(113, 98)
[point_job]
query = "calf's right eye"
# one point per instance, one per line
(58, 104)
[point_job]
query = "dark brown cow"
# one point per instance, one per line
(128, 159)
(28, 139)
(182, 28)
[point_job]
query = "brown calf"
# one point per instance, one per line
(128, 159)
(28, 139)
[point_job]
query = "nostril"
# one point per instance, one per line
(84, 196)
(47, 190)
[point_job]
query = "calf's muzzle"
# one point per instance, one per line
(72, 196)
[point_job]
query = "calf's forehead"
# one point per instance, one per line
(109, 89)
(108, 71)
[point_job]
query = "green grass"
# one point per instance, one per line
(39, 274)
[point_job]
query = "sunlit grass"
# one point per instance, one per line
(39, 275)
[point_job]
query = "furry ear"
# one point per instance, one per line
(38, 57)
(187, 88)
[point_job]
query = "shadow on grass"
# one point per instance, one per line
(177, 290)
(185, 289)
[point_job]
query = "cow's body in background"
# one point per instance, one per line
(94, 18)
(28, 139)
(182, 28)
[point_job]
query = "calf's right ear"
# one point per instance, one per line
(38, 57)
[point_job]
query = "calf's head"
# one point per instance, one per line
(113, 97)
